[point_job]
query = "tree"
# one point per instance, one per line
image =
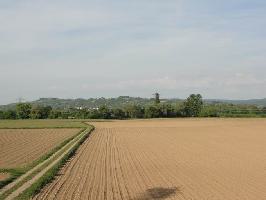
(118, 113)
(81, 113)
(167, 110)
(179, 109)
(9, 114)
(209, 110)
(152, 111)
(23, 110)
(264, 110)
(35, 113)
(133, 111)
(55, 114)
(94, 114)
(193, 105)
(40, 112)
(104, 112)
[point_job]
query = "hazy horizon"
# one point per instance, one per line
(24, 100)
(83, 49)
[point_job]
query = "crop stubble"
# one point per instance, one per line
(167, 159)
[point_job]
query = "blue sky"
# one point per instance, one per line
(71, 49)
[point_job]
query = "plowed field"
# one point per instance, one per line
(19, 147)
(214, 159)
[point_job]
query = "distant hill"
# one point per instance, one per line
(119, 102)
(256, 102)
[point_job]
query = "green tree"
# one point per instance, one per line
(118, 113)
(55, 114)
(104, 112)
(9, 114)
(209, 110)
(193, 105)
(81, 113)
(94, 114)
(179, 109)
(23, 110)
(134, 111)
(167, 110)
(264, 110)
(152, 111)
(35, 112)
(40, 112)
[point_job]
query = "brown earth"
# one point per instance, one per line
(191, 159)
(4, 176)
(19, 147)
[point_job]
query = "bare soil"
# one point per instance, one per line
(4, 176)
(201, 159)
(19, 147)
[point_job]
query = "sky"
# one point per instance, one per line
(108, 48)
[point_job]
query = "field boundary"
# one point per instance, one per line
(56, 155)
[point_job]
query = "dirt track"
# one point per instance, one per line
(168, 159)
(22, 146)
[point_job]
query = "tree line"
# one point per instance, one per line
(193, 106)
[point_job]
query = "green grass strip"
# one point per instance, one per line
(13, 175)
(41, 123)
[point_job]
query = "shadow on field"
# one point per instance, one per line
(158, 193)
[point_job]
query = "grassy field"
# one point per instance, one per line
(42, 123)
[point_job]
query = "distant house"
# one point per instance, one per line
(79, 108)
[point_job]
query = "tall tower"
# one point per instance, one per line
(157, 98)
